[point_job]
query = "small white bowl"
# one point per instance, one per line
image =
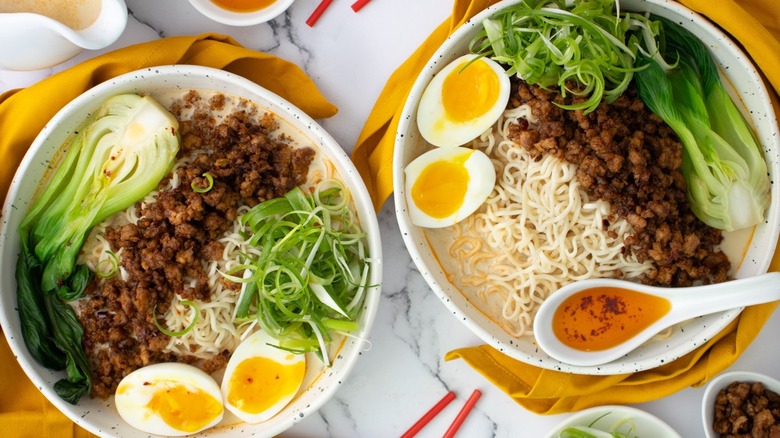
(234, 18)
(647, 425)
(32, 41)
(721, 382)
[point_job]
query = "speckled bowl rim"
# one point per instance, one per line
(99, 416)
(723, 380)
(687, 336)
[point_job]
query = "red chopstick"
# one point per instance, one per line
(318, 12)
(464, 412)
(425, 419)
(358, 5)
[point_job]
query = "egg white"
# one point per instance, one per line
(259, 344)
(437, 128)
(136, 390)
(482, 178)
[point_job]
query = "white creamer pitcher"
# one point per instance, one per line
(31, 41)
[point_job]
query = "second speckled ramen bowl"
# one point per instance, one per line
(432, 258)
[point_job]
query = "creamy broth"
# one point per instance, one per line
(76, 14)
(735, 245)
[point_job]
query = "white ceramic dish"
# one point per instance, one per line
(237, 18)
(647, 425)
(738, 70)
(721, 382)
(31, 41)
(100, 416)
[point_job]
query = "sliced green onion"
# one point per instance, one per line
(210, 180)
(340, 325)
(325, 298)
(549, 43)
(113, 266)
(186, 330)
(311, 277)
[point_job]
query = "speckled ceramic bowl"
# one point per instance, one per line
(100, 416)
(737, 69)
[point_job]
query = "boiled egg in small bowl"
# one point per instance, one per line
(462, 101)
(446, 185)
(172, 399)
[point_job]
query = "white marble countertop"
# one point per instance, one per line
(350, 56)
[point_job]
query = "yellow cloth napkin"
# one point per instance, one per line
(24, 412)
(756, 25)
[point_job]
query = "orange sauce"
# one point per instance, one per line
(601, 318)
(243, 5)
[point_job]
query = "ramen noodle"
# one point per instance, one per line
(537, 231)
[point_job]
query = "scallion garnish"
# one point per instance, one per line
(108, 267)
(557, 43)
(170, 333)
(311, 276)
(209, 179)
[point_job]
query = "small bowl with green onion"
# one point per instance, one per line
(613, 421)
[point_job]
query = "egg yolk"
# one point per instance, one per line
(469, 92)
(184, 409)
(243, 5)
(258, 383)
(441, 187)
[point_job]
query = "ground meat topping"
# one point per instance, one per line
(748, 410)
(165, 252)
(629, 157)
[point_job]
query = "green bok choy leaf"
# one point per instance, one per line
(723, 163)
(120, 154)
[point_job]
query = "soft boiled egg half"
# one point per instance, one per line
(261, 379)
(462, 101)
(171, 399)
(445, 185)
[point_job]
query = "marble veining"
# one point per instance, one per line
(401, 373)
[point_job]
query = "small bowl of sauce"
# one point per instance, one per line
(241, 12)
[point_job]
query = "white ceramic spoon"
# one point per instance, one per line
(686, 303)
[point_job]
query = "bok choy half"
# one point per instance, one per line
(120, 154)
(723, 163)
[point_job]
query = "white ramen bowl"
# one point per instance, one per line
(736, 68)
(100, 416)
